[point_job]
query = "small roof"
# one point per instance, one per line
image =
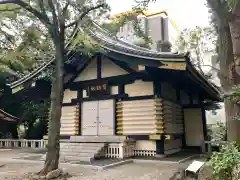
(4, 116)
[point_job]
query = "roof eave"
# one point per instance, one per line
(213, 91)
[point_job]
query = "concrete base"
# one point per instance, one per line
(160, 155)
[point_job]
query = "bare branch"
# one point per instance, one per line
(85, 12)
(65, 8)
(55, 18)
(214, 68)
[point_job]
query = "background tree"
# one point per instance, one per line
(198, 41)
(23, 47)
(226, 18)
(115, 24)
(60, 20)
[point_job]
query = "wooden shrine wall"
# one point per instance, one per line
(139, 117)
(193, 126)
(70, 120)
(139, 88)
(70, 115)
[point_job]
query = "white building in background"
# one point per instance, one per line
(157, 26)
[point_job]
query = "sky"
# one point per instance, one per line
(186, 13)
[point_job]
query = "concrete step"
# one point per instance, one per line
(77, 154)
(113, 139)
(80, 151)
(81, 145)
(74, 158)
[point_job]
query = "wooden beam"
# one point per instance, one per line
(174, 66)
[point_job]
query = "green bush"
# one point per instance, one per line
(224, 161)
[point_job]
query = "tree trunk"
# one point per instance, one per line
(228, 39)
(234, 25)
(225, 54)
(52, 157)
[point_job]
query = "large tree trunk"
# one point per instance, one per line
(52, 158)
(225, 54)
(234, 25)
(228, 31)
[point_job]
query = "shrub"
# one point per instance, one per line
(224, 161)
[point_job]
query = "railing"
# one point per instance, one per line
(144, 153)
(22, 143)
(207, 145)
(121, 150)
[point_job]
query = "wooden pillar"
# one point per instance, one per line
(205, 134)
(79, 96)
(179, 101)
(99, 66)
(160, 147)
(204, 123)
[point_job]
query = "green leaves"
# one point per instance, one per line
(224, 161)
(232, 4)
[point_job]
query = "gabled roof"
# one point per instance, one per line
(111, 43)
(4, 116)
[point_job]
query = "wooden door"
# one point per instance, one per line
(89, 118)
(106, 117)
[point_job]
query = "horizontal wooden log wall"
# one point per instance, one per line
(69, 120)
(139, 117)
(173, 118)
(173, 124)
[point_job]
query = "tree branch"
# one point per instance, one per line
(64, 11)
(44, 19)
(86, 11)
(214, 68)
(41, 5)
(53, 10)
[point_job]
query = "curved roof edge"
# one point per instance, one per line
(13, 118)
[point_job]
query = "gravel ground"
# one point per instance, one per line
(133, 171)
(17, 170)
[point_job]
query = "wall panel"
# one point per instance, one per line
(139, 88)
(173, 118)
(89, 73)
(139, 117)
(146, 145)
(193, 126)
(168, 91)
(69, 120)
(184, 98)
(110, 69)
(69, 95)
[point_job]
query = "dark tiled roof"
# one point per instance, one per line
(7, 117)
(109, 42)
